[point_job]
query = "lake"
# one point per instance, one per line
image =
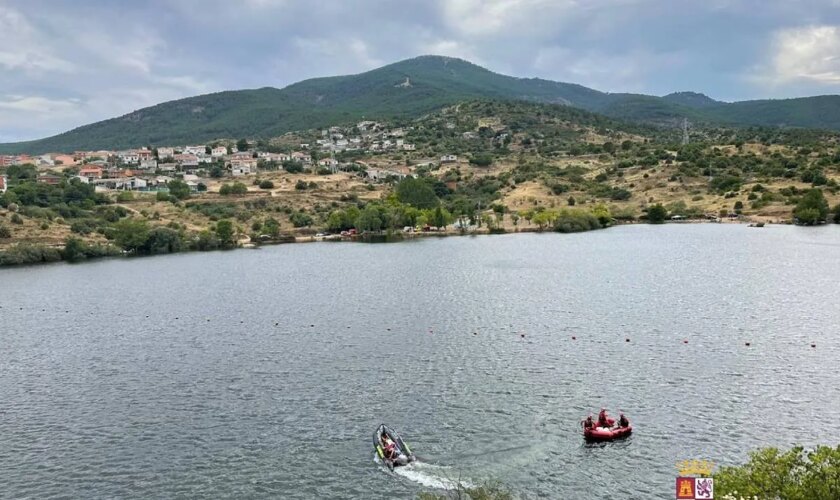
(263, 373)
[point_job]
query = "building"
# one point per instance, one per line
(50, 179)
(242, 166)
(165, 153)
(150, 164)
(448, 158)
(195, 150)
(128, 157)
(218, 151)
(90, 173)
(187, 160)
(3, 184)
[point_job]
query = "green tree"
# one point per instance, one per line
(837, 214)
(417, 193)
(162, 240)
(657, 214)
(369, 220)
(266, 184)
(242, 144)
(179, 189)
(795, 474)
(441, 217)
(226, 234)
(301, 219)
(482, 159)
(271, 227)
(74, 249)
(131, 234)
(5, 232)
(812, 208)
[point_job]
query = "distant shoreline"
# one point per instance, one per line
(48, 254)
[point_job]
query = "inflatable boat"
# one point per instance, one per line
(595, 434)
(399, 454)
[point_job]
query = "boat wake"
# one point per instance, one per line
(432, 476)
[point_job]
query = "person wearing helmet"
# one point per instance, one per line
(588, 423)
(603, 420)
(622, 420)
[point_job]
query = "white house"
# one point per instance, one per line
(129, 157)
(448, 158)
(242, 166)
(408, 147)
(218, 151)
(328, 162)
(301, 157)
(165, 152)
(194, 150)
(3, 183)
(150, 164)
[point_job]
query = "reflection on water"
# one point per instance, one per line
(263, 374)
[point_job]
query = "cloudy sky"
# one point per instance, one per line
(68, 63)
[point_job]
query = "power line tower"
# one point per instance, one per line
(685, 131)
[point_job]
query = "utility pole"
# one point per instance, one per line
(685, 131)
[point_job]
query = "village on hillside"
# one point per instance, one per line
(152, 169)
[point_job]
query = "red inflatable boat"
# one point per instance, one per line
(607, 433)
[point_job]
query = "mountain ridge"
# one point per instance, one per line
(407, 89)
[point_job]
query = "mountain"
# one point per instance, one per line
(691, 100)
(406, 89)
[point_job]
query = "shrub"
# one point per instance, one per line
(301, 185)
(812, 208)
(300, 219)
(16, 219)
(573, 221)
(481, 160)
(237, 188)
(162, 196)
(266, 184)
(795, 474)
(657, 214)
(5, 232)
(125, 196)
(25, 253)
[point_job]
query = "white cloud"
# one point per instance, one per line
(38, 104)
(21, 49)
(810, 53)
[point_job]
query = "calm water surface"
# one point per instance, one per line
(257, 374)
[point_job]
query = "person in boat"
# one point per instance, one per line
(603, 420)
(389, 447)
(588, 423)
(622, 420)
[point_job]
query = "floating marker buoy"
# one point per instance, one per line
(388, 329)
(574, 338)
(176, 317)
(313, 326)
(685, 341)
(627, 340)
(813, 345)
(475, 333)
(522, 335)
(747, 344)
